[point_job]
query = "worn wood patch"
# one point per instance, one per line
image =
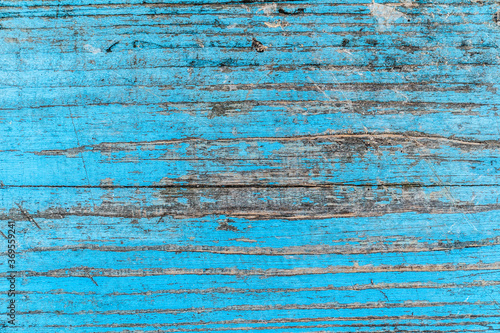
(222, 166)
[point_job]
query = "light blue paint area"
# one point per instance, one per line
(166, 299)
(269, 149)
(209, 200)
(206, 77)
(242, 149)
(149, 261)
(266, 199)
(277, 314)
(183, 201)
(153, 128)
(158, 311)
(219, 284)
(12, 99)
(414, 229)
(311, 160)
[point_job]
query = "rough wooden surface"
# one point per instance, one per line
(221, 166)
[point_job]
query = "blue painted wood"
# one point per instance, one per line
(221, 166)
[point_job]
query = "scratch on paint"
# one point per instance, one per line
(385, 15)
(262, 78)
(446, 188)
(91, 278)
(92, 49)
(320, 90)
(81, 156)
(27, 215)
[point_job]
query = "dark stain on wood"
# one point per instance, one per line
(258, 46)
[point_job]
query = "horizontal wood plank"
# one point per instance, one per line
(349, 159)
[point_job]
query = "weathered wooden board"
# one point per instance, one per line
(221, 166)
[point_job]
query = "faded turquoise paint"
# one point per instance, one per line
(164, 176)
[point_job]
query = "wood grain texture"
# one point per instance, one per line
(224, 166)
